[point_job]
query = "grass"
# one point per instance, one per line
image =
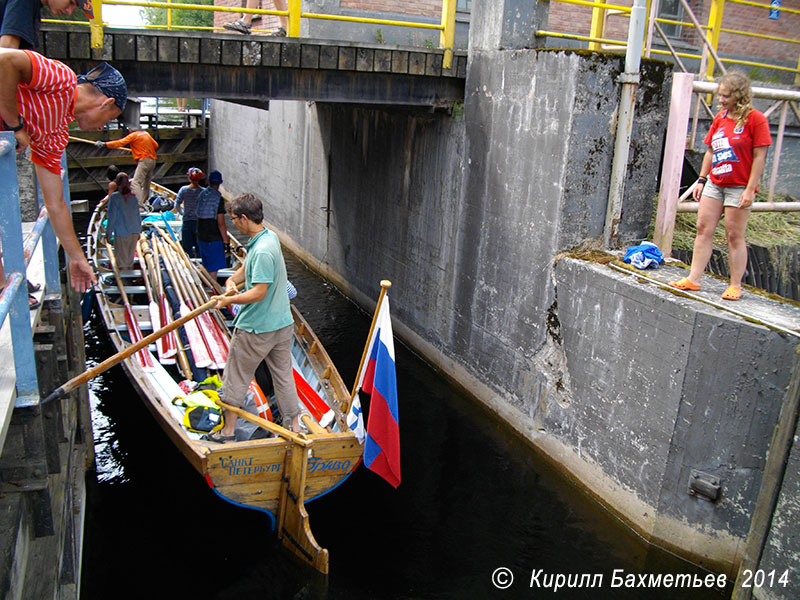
(768, 229)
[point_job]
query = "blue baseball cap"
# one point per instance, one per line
(215, 177)
(109, 81)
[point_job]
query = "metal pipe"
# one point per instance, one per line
(622, 144)
(691, 207)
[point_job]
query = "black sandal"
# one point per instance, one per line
(218, 438)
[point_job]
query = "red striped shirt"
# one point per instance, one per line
(47, 104)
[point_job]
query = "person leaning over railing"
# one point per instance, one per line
(737, 150)
(20, 19)
(39, 97)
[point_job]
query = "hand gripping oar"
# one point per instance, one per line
(65, 389)
(77, 139)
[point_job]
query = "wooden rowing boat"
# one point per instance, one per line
(276, 475)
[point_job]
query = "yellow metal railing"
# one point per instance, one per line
(294, 15)
(711, 31)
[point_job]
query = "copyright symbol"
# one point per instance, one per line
(502, 578)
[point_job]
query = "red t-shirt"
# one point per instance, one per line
(732, 147)
(47, 104)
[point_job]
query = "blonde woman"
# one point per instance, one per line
(737, 149)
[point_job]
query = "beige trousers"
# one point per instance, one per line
(246, 352)
(142, 178)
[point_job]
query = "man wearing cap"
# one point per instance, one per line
(39, 97)
(143, 148)
(20, 19)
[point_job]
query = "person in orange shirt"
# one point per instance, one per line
(143, 147)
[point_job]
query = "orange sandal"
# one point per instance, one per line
(732, 293)
(684, 284)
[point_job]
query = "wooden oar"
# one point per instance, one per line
(217, 337)
(145, 261)
(144, 357)
(127, 352)
(219, 355)
(216, 341)
(299, 439)
(202, 357)
(77, 139)
(164, 313)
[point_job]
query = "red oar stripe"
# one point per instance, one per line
(309, 397)
(144, 356)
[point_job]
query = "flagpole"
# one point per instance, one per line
(385, 285)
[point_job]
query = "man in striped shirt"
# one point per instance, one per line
(39, 97)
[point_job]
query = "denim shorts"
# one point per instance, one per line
(729, 196)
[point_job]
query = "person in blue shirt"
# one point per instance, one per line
(186, 203)
(124, 221)
(20, 19)
(212, 234)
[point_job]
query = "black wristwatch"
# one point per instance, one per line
(17, 128)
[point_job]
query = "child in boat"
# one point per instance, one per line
(124, 221)
(212, 234)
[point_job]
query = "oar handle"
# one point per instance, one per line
(298, 439)
(77, 139)
(65, 389)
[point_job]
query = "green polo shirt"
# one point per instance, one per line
(264, 264)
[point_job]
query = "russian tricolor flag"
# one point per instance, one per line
(382, 447)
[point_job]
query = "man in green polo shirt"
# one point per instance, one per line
(264, 326)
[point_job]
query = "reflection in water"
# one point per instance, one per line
(474, 498)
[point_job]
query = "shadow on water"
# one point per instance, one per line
(474, 498)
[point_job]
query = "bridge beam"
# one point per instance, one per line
(170, 64)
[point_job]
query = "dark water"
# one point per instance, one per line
(474, 498)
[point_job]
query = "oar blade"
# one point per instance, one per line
(202, 358)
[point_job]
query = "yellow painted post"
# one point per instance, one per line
(169, 15)
(715, 23)
(448, 34)
(597, 27)
(96, 24)
(294, 18)
(797, 77)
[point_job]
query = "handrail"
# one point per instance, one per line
(16, 257)
(294, 15)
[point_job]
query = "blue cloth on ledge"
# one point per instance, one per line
(643, 256)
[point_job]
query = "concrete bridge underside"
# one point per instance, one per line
(259, 68)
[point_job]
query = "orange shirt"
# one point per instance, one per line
(141, 143)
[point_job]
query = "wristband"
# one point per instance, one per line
(702, 180)
(17, 128)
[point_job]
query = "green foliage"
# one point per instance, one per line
(766, 229)
(180, 17)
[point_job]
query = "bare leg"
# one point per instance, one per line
(282, 5)
(735, 225)
(247, 18)
(707, 218)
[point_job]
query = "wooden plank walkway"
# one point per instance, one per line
(8, 378)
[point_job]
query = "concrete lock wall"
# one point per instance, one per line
(466, 214)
